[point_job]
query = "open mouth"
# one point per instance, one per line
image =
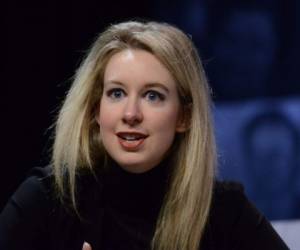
(131, 140)
(131, 136)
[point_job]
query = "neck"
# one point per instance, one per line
(141, 194)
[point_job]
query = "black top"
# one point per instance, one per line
(119, 210)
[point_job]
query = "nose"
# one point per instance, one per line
(132, 112)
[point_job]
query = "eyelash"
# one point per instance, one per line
(110, 93)
(160, 96)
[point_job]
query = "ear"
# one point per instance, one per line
(97, 114)
(183, 122)
(97, 118)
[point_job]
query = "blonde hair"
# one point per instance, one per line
(186, 206)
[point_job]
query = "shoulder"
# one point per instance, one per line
(37, 190)
(33, 197)
(235, 223)
(231, 207)
(227, 206)
(228, 195)
(26, 214)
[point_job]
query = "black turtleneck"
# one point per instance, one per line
(119, 212)
(131, 206)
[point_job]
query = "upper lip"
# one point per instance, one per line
(123, 134)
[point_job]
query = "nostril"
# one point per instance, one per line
(131, 120)
(132, 117)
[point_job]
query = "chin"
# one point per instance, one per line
(136, 167)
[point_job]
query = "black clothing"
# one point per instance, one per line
(118, 211)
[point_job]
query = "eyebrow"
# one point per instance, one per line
(147, 85)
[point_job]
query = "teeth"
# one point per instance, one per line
(130, 138)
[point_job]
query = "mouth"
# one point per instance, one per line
(131, 136)
(131, 140)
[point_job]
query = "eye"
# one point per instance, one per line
(154, 96)
(115, 93)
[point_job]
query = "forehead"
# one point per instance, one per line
(136, 65)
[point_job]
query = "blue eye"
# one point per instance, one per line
(154, 96)
(115, 93)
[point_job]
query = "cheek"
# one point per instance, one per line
(164, 122)
(164, 128)
(105, 118)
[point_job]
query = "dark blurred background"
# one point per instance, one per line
(250, 50)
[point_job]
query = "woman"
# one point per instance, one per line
(134, 158)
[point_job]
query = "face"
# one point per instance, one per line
(139, 112)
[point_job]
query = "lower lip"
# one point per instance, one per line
(131, 145)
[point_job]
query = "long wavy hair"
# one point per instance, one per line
(184, 212)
